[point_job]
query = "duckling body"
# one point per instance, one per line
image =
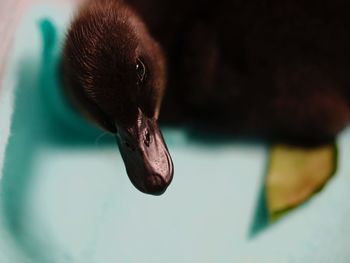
(283, 71)
(270, 68)
(275, 68)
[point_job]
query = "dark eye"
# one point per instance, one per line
(140, 71)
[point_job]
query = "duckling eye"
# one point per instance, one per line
(140, 71)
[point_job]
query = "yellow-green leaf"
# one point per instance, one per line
(295, 174)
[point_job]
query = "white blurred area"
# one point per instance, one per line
(11, 12)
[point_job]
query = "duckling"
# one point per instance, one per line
(114, 72)
(270, 68)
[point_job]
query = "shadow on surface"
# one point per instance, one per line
(34, 125)
(261, 217)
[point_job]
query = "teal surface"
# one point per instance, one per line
(65, 196)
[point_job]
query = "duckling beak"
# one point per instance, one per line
(145, 154)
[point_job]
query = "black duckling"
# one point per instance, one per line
(114, 71)
(272, 68)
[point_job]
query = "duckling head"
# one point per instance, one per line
(114, 72)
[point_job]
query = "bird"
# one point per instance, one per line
(277, 69)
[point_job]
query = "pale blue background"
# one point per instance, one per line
(65, 196)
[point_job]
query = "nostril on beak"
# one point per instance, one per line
(155, 185)
(147, 138)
